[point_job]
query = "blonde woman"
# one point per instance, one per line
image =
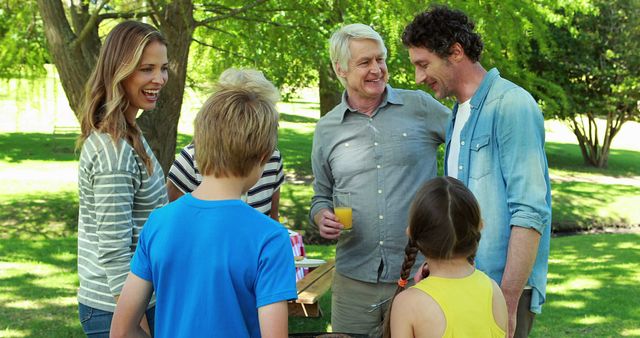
(120, 181)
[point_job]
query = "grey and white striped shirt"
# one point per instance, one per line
(185, 176)
(116, 197)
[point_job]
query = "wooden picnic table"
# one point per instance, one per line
(310, 289)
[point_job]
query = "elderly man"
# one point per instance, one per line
(379, 145)
(495, 145)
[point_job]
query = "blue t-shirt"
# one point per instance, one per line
(212, 265)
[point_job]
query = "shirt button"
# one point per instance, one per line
(379, 191)
(346, 144)
(381, 242)
(381, 217)
(460, 167)
(375, 143)
(378, 166)
(462, 143)
(404, 134)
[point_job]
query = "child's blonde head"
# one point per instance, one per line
(237, 128)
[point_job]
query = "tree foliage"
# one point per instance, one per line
(23, 51)
(287, 39)
(596, 62)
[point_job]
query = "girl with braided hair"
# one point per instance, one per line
(456, 299)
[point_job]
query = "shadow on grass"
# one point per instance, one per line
(566, 156)
(18, 147)
(592, 287)
(577, 205)
(297, 119)
(296, 152)
(38, 287)
(39, 215)
(307, 105)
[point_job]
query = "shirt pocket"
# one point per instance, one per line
(481, 157)
(405, 148)
(350, 158)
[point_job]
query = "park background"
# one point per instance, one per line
(578, 58)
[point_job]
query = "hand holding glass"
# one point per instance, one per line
(342, 209)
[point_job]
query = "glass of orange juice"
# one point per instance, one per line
(342, 209)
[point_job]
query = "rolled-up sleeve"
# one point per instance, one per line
(523, 160)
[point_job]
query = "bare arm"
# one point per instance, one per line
(274, 320)
(499, 308)
(523, 248)
(144, 323)
(401, 319)
(131, 307)
(327, 223)
(173, 191)
(275, 205)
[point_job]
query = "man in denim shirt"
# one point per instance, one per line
(495, 145)
(379, 144)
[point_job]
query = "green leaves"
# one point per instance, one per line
(24, 49)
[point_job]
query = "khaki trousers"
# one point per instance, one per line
(524, 317)
(351, 301)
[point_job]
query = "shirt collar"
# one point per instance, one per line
(484, 87)
(481, 92)
(390, 96)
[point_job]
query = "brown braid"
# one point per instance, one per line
(410, 253)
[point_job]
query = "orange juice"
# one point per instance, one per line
(344, 216)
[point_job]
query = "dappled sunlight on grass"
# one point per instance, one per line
(38, 284)
(630, 332)
(590, 205)
(628, 245)
(575, 285)
(590, 320)
(8, 333)
(43, 215)
(592, 286)
(294, 208)
(570, 304)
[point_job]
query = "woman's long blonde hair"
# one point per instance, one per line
(105, 102)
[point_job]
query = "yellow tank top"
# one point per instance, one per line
(467, 304)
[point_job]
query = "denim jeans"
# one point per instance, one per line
(97, 323)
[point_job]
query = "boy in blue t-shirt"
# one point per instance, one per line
(218, 267)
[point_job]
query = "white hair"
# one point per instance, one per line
(248, 79)
(339, 45)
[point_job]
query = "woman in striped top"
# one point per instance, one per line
(120, 181)
(184, 177)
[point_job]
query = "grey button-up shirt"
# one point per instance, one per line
(381, 160)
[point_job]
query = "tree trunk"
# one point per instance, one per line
(74, 59)
(330, 89)
(75, 56)
(160, 126)
(592, 153)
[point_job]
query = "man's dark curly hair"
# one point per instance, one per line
(438, 28)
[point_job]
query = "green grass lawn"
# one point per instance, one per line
(592, 279)
(593, 288)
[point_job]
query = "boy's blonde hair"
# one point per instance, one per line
(237, 128)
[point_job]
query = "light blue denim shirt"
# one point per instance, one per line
(381, 160)
(503, 162)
